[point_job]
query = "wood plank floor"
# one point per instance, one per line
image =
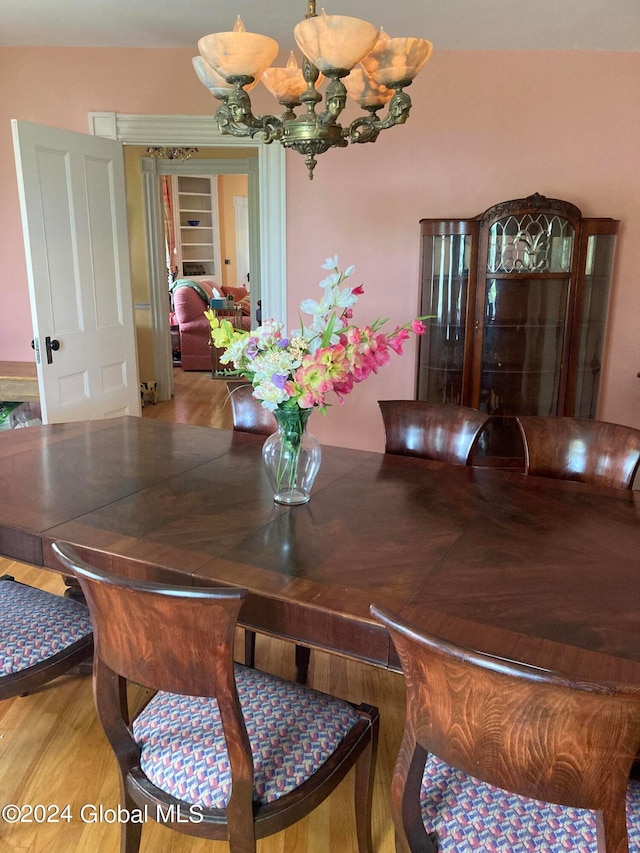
(53, 751)
(198, 400)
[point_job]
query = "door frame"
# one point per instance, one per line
(151, 169)
(157, 130)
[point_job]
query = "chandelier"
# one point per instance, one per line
(172, 153)
(360, 62)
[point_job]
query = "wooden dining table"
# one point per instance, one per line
(529, 568)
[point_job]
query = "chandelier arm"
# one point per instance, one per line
(235, 117)
(364, 129)
(398, 112)
(367, 128)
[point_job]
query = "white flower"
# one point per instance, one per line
(273, 360)
(331, 280)
(312, 306)
(235, 353)
(343, 298)
(331, 263)
(269, 394)
(268, 333)
(297, 348)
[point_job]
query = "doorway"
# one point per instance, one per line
(270, 226)
(152, 170)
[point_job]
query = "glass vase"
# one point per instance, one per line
(292, 457)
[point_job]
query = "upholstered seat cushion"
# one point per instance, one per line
(292, 730)
(34, 625)
(471, 816)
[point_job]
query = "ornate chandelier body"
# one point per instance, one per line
(359, 61)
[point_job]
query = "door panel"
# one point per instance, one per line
(72, 199)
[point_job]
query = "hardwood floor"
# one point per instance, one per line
(198, 400)
(53, 751)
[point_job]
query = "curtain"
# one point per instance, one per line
(169, 233)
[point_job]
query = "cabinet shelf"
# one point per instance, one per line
(504, 371)
(524, 326)
(197, 246)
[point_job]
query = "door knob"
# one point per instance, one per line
(51, 346)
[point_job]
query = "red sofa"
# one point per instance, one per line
(190, 301)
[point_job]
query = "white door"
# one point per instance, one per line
(73, 207)
(241, 206)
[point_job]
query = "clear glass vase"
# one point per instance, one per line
(292, 457)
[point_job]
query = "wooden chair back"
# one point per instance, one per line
(180, 639)
(175, 639)
(526, 730)
(439, 431)
(596, 452)
(249, 415)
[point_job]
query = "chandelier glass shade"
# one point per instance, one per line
(360, 62)
(287, 84)
(215, 82)
(334, 43)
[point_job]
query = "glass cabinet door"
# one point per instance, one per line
(445, 295)
(525, 310)
(591, 321)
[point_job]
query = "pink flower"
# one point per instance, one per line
(333, 358)
(309, 386)
(344, 387)
(379, 350)
(396, 341)
(418, 327)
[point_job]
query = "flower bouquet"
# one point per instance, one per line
(293, 374)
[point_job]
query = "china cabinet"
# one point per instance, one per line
(197, 230)
(519, 298)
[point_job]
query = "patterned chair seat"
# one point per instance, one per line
(36, 625)
(471, 816)
(292, 731)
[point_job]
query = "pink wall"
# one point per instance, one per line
(486, 126)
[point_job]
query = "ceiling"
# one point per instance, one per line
(449, 24)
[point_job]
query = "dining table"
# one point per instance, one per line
(533, 569)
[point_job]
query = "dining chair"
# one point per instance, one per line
(498, 755)
(249, 415)
(42, 635)
(221, 751)
(587, 451)
(438, 431)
